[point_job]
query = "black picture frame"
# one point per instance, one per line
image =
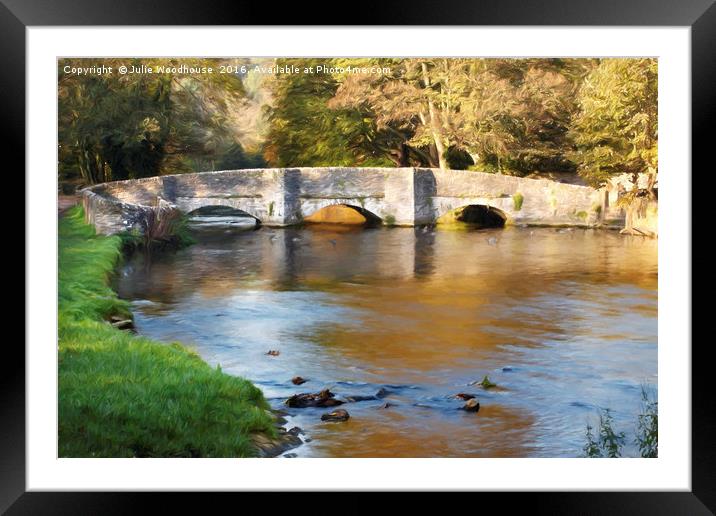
(700, 15)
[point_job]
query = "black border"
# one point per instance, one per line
(700, 15)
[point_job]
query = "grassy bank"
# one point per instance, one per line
(126, 396)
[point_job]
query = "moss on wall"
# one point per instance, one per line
(517, 201)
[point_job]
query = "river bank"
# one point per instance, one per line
(122, 395)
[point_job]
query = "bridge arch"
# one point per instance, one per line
(221, 214)
(480, 215)
(197, 204)
(340, 213)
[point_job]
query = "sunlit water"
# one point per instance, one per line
(563, 321)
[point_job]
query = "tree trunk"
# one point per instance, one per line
(434, 156)
(434, 123)
(401, 155)
(88, 165)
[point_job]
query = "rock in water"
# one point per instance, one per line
(464, 396)
(472, 405)
(325, 398)
(382, 393)
(336, 415)
(297, 380)
(273, 352)
(304, 399)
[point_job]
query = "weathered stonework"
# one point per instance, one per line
(642, 218)
(400, 196)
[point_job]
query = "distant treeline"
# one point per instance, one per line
(595, 117)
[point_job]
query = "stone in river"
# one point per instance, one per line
(325, 398)
(472, 405)
(273, 352)
(336, 415)
(382, 393)
(295, 430)
(464, 396)
(297, 380)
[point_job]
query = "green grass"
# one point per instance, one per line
(121, 395)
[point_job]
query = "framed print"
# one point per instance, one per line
(435, 250)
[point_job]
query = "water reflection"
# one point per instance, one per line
(562, 320)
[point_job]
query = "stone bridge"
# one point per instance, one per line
(396, 196)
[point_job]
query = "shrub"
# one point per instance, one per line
(609, 443)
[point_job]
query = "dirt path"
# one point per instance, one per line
(65, 202)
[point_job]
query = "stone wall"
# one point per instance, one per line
(400, 196)
(642, 218)
(109, 215)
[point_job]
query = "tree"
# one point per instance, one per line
(513, 116)
(482, 121)
(404, 104)
(115, 126)
(514, 112)
(304, 131)
(616, 130)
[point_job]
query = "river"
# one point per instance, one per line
(563, 321)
